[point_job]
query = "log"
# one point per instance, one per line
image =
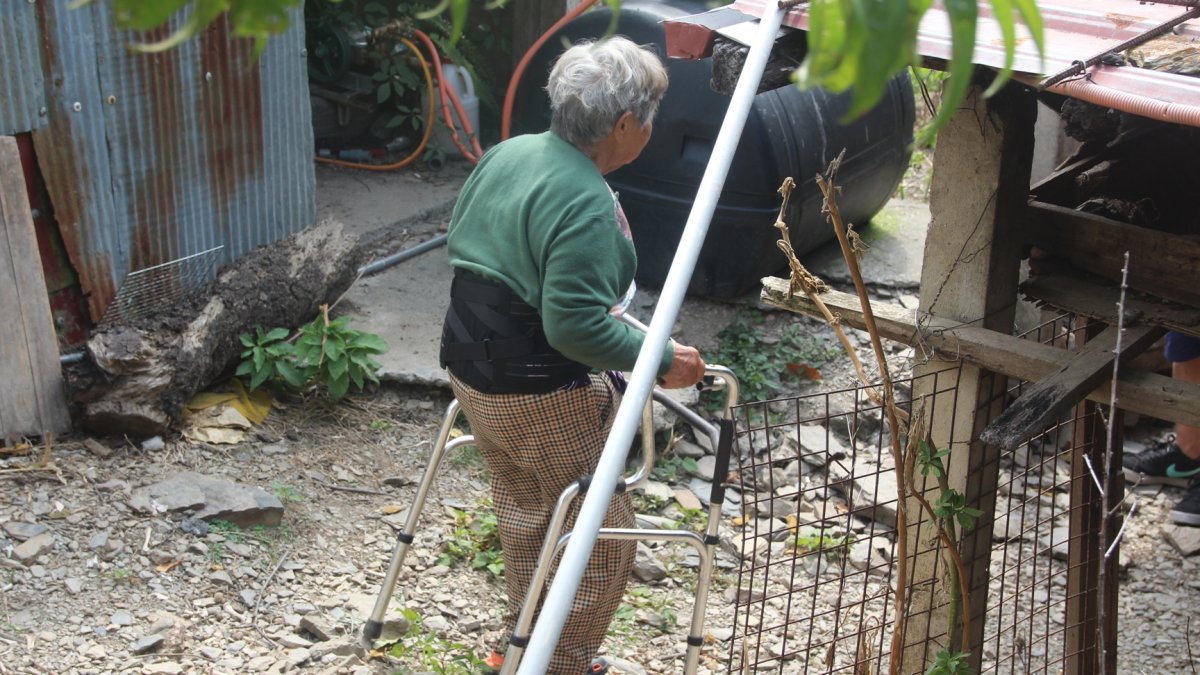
(141, 373)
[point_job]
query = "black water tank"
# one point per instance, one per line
(789, 133)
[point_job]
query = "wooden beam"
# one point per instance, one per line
(1095, 298)
(1040, 404)
(1149, 394)
(32, 401)
(969, 274)
(1158, 261)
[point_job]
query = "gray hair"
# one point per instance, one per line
(593, 83)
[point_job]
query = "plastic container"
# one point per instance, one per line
(460, 81)
(788, 133)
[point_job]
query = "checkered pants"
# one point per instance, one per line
(535, 446)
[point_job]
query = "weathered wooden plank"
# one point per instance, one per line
(31, 399)
(1094, 298)
(1150, 394)
(1097, 245)
(1039, 405)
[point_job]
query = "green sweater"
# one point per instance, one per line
(537, 215)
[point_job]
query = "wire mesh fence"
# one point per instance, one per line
(819, 536)
(155, 288)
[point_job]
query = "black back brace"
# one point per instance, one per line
(494, 342)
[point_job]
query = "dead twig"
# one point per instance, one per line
(267, 584)
(813, 286)
(851, 252)
(361, 491)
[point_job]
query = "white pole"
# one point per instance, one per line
(591, 515)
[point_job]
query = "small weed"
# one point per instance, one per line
(690, 519)
(216, 551)
(833, 546)
(475, 540)
(286, 493)
(121, 575)
(426, 652)
(645, 502)
(661, 615)
(467, 457)
(231, 532)
(763, 365)
(379, 425)
(950, 663)
(673, 468)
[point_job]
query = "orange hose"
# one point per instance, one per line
(448, 97)
(511, 94)
(429, 118)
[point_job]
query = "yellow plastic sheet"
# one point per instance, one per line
(253, 405)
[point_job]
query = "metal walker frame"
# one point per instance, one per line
(721, 436)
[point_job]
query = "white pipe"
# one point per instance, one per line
(591, 515)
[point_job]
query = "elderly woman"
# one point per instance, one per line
(543, 259)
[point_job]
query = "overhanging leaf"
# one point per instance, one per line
(1003, 11)
(963, 14)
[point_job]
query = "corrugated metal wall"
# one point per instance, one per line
(150, 158)
(21, 84)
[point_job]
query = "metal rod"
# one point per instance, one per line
(374, 625)
(1162, 29)
(401, 256)
(591, 515)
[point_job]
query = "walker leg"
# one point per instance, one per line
(374, 625)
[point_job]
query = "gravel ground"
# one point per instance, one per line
(116, 590)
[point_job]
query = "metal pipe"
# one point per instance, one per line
(401, 256)
(591, 515)
(73, 357)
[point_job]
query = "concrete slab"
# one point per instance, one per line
(405, 303)
(896, 237)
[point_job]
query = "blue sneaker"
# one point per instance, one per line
(1163, 463)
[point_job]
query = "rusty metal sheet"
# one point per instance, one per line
(21, 95)
(1075, 31)
(153, 158)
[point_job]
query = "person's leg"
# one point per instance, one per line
(1187, 437)
(1187, 510)
(535, 447)
(1176, 461)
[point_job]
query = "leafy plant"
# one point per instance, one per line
(860, 46)
(266, 356)
(672, 468)
(950, 663)
(658, 614)
(475, 540)
(286, 493)
(121, 575)
(328, 353)
(833, 546)
(647, 502)
(424, 652)
(763, 365)
(334, 354)
(254, 19)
